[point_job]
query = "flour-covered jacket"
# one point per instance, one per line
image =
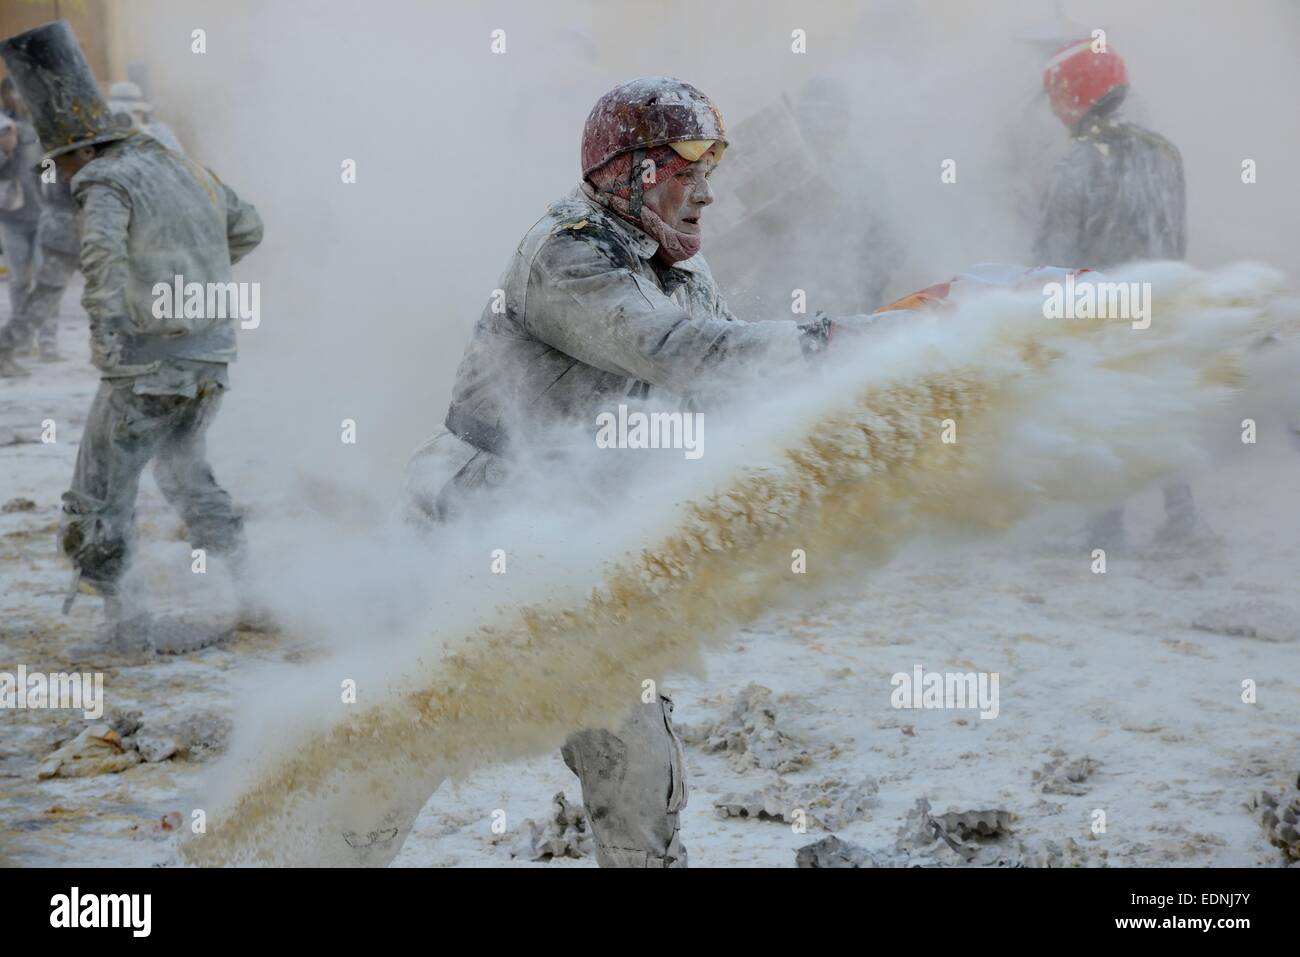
(585, 317)
(149, 215)
(1117, 196)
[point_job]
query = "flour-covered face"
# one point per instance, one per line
(70, 164)
(680, 199)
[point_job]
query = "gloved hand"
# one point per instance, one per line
(105, 345)
(816, 335)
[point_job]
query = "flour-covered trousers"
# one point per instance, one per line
(1180, 516)
(19, 243)
(51, 276)
(633, 777)
(124, 432)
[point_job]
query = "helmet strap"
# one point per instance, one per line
(1103, 109)
(638, 158)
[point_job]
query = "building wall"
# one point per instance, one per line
(90, 21)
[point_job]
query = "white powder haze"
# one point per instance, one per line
(370, 290)
(848, 469)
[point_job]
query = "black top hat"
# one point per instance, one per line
(60, 91)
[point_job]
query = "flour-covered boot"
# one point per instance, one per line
(252, 613)
(10, 369)
(1183, 530)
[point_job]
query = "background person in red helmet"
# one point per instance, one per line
(607, 300)
(1117, 196)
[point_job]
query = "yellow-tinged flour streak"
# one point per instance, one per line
(1045, 412)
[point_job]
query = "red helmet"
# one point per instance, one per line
(647, 112)
(1076, 79)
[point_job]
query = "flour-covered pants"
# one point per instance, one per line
(124, 432)
(1107, 529)
(19, 243)
(633, 777)
(53, 271)
(633, 787)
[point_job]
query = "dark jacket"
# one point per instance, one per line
(1117, 196)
